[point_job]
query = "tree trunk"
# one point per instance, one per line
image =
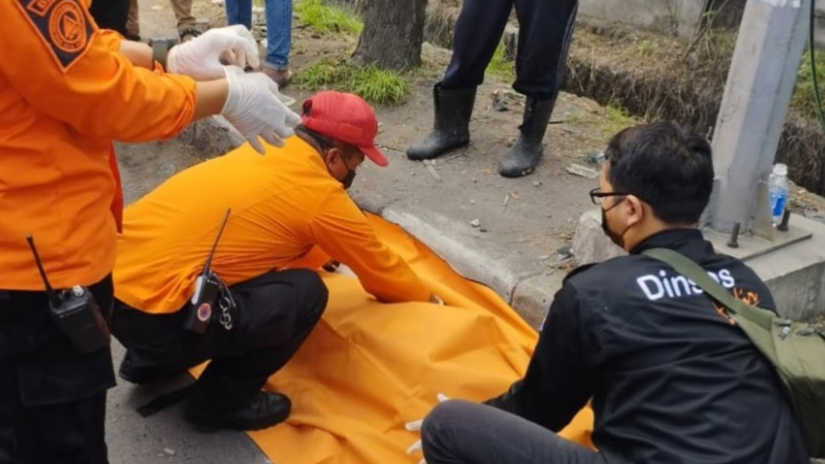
(392, 35)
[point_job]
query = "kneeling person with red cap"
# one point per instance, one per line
(289, 213)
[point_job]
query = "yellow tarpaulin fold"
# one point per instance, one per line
(369, 368)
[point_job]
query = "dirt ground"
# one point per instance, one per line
(535, 215)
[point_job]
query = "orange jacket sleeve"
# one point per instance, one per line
(342, 230)
(62, 65)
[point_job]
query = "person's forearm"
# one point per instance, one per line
(210, 98)
(138, 53)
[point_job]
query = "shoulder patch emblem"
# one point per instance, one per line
(63, 25)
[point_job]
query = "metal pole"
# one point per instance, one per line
(757, 94)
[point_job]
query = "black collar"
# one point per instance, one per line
(686, 241)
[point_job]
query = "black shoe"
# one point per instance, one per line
(451, 129)
(265, 410)
(525, 155)
(143, 375)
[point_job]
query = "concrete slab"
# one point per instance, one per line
(796, 273)
(534, 295)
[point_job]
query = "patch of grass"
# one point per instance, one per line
(327, 19)
(609, 121)
(618, 118)
(645, 48)
(500, 67)
(803, 97)
(372, 84)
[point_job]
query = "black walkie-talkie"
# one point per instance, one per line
(207, 290)
(75, 312)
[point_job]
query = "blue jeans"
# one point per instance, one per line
(278, 27)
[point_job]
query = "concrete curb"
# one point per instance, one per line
(528, 289)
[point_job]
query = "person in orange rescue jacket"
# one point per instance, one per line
(289, 212)
(67, 90)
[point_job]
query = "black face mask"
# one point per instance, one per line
(616, 238)
(347, 180)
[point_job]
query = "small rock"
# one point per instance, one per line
(316, 36)
(472, 202)
(543, 257)
(475, 223)
(537, 183)
(483, 230)
(474, 180)
(169, 451)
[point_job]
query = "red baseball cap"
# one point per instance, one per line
(344, 117)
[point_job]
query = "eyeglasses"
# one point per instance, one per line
(596, 195)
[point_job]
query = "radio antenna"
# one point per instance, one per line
(53, 298)
(215, 245)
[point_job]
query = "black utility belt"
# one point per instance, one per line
(210, 301)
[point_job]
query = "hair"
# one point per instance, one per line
(666, 166)
(325, 143)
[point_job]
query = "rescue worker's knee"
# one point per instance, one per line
(311, 291)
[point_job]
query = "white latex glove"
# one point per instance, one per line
(416, 426)
(200, 58)
(253, 107)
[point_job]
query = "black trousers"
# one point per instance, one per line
(545, 31)
(274, 315)
(460, 432)
(52, 397)
(111, 14)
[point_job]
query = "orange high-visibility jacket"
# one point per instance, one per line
(284, 204)
(65, 94)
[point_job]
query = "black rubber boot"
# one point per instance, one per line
(264, 410)
(524, 156)
(451, 129)
(218, 401)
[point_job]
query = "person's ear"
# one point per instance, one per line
(334, 157)
(635, 210)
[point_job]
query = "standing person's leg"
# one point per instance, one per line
(546, 29)
(478, 32)
(460, 432)
(276, 312)
(52, 397)
(239, 12)
(187, 26)
(111, 14)
(133, 21)
(278, 41)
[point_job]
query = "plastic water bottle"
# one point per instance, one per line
(778, 190)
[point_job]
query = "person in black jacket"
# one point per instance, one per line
(671, 377)
(545, 32)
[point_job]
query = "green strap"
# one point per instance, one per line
(688, 268)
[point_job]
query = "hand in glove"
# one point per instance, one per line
(253, 107)
(416, 426)
(200, 58)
